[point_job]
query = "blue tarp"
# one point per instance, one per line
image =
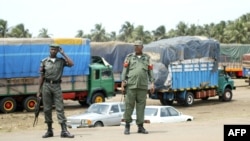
(113, 52)
(23, 59)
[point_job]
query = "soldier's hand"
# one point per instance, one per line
(123, 87)
(61, 50)
(38, 94)
(152, 89)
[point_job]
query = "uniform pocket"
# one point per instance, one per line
(132, 65)
(132, 80)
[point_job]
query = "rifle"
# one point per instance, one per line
(37, 110)
(125, 88)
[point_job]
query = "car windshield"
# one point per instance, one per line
(98, 108)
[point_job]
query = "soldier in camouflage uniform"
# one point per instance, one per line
(51, 70)
(137, 72)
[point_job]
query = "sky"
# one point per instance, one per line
(63, 18)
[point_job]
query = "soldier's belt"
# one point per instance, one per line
(53, 82)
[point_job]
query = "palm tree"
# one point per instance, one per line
(43, 33)
(219, 31)
(140, 34)
(99, 34)
(236, 33)
(80, 34)
(19, 31)
(159, 33)
(182, 29)
(3, 28)
(112, 36)
(126, 31)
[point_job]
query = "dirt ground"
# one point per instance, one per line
(210, 118)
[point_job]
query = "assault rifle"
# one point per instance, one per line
(37, 110)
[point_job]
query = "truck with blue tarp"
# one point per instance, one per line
(90, 80)
(186, 68)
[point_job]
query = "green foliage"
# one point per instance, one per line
(237, 31)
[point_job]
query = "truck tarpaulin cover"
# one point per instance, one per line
(22, 57)
(233, 52)
(180, 49)
(113, 52)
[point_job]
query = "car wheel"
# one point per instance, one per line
(98, 124)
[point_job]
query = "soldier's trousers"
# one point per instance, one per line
(135, 98)
(52, 94)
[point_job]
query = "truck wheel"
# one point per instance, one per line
(166, 102)
(29, 103)
(98, 97)
(189, 100)
(227, 95)
(8, 105)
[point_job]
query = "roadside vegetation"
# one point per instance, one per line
(232, 31)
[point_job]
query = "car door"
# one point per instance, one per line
(169, 115)
(114, 117)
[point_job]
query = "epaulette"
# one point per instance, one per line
(130, 54)
(45, 59)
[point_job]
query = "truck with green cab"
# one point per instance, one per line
(89, 81)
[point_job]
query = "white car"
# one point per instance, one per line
(162, 114)
(98, 115)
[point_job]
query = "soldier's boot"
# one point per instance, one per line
(49, 132)
(65, 133)
(127, 128)
(141, 129)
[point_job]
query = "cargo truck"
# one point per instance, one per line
(186, 68)
(90, 80)
(231, 57)
(246, 67)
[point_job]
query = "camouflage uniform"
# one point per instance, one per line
(137, 71)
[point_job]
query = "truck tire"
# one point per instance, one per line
(227, 95)
(8, 105)
(98, 97)
(29, 103)
(189, 99)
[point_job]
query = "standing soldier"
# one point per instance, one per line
(137, 71)
(51, 70)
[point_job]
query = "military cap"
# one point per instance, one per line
(54, 45)
(138, 43)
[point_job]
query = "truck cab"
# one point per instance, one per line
(226, 85)
(100, 81)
